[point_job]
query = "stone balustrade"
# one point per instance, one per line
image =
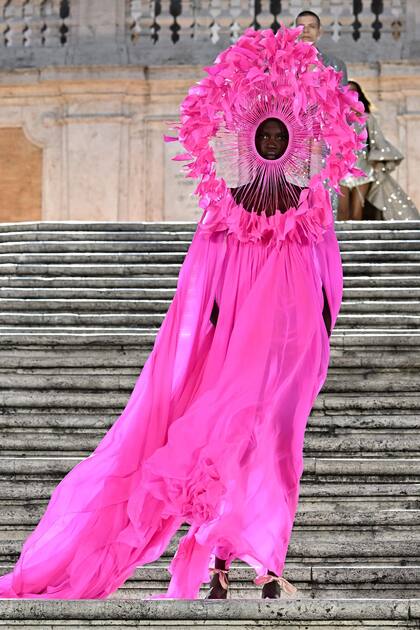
(34, 23)
(176, 31)
(216, 20)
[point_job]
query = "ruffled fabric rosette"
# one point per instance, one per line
(269, 75)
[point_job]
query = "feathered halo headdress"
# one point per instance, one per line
(266, 76)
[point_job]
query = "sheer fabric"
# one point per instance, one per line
(212, 434)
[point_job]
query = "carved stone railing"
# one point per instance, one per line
(130, 32)
(34, 23)
(217, 19)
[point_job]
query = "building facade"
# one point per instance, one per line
(87, 88)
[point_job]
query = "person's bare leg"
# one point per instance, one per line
(271, 590)
(357, 201)
(214, 315)
(217, 590)
(343, 212)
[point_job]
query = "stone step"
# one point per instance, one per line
(105, 258)
(78, 282)
(295, 613)
(361, 268)
(121, 226)
(94, 270)
(314, 581)
(361, 306)
(160, 305)
(151, 269)
(129, 359)
(68, 250)
(356, 226)
(122, 295)
(356, 341)
(126, 226)
(391, 294)
(125, 322)
(169, 282)
(327, 485)
(340, 494)
(327, 469)
(381, 282)
(92, 334)
(113, 306)
(340, 381)
(314, 510)
(161, 242)
(318, 422)
(372, 320)
(371, 245)
(329, 545)
(152, 232)
(94, 236)
(172, 257)
(350, 403)
(363, 442)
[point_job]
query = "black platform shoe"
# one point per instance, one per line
(273, 584)
(219, 584)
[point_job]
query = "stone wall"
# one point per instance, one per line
(91, 89)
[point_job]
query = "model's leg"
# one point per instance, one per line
(326, 313)
(214, 313)
(343, 212)
(357, 201)
(219, 582)
(272, 589)
(273, 585)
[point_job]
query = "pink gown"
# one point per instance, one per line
(212, 434)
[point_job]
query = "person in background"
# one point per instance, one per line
(376, 195)
(312, 31)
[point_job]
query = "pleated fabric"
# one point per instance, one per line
(213, 432)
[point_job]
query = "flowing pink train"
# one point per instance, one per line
(212, 434)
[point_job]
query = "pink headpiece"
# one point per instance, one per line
(266, 75)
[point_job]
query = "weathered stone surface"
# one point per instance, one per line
(354, 548)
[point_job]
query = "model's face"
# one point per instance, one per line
(311, 29)
(271, 139)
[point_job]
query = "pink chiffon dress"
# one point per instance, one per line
(213, 432)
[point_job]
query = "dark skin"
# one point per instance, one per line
(271, 142)
(271, 139)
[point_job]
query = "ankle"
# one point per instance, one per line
(220, 564)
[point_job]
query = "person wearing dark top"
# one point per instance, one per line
(312, 31)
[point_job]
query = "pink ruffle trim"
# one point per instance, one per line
(302, 224)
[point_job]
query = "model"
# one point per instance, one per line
(212, 434)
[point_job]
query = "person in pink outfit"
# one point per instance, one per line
(212, 434)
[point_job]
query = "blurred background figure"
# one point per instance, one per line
(312, 31)
(377, 195)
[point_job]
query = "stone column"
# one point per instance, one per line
(98, 35)
(94, 141)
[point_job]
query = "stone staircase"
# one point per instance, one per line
(80, 304)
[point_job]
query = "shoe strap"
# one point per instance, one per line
(223, 577)
(284, 584)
